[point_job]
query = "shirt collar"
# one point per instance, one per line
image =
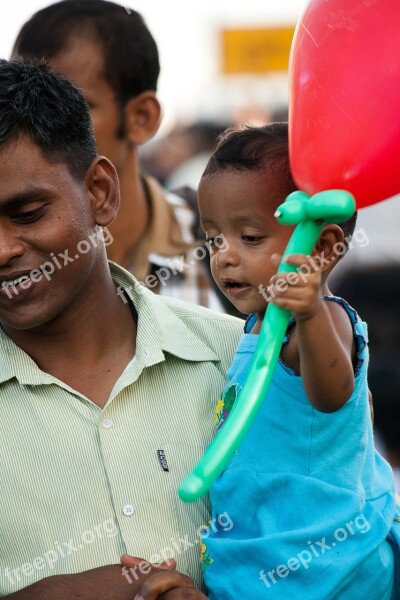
(159, 327)
(15, 362)
(159, 330)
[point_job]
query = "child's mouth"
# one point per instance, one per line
(235, 287)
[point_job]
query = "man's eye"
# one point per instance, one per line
(28, 216)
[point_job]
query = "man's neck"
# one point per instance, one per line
(89, 345)
(133, 215)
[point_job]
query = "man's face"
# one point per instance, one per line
(82, 62)
(48, 254)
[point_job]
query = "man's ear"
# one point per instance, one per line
(142, 117)
(102, 183)
(330, 245)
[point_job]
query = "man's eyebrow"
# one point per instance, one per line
(23, 197)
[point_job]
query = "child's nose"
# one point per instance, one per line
(227, 257)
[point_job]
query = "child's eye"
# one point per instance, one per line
(216, 241)
(251, 239)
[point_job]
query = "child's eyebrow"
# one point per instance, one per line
(249, 217)
(240, 218)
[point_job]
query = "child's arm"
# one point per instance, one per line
(322, 341)
(166, 584)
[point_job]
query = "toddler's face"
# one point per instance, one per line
(240, 206)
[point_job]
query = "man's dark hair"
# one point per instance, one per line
(261, 149)
(131, 64)
(36, 102)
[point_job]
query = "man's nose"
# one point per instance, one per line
(11, 246)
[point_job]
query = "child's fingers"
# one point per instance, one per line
(170, 563)
(276, 259)
(183, 594)
(281, 281)
(296, 293)
(297, 260)
(133, 561)
(157, 584)
(306, 272)
(294, 305)
(130, 561)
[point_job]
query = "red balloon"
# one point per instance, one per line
(344, 103)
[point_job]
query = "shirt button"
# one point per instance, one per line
(128, 510)
(144, 353)
(107, 423)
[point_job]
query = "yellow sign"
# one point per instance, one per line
(256, 50)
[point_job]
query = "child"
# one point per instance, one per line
(312, 502)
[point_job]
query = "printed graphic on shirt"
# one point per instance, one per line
(225, 404)
(205, 559)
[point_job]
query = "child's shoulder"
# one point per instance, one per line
(351, 329)
(250, 322)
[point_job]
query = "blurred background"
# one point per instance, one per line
(222, 63)
(203, 75)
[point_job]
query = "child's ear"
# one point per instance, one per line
(330, 245)
(142, 117)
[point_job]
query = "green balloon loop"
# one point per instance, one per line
(310, 214)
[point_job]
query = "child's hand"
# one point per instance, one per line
(163, 581)
(139, 564)
(169, 585)
(299, 291)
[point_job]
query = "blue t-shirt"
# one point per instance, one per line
(307, 502)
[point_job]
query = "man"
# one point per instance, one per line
(109, 53)
(107, 391)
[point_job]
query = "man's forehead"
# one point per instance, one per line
(25, 169)
(81, 59)
(23, 153)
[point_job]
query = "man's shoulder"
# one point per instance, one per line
(182, 322)
(183, 206)
(219, 331)
(188, 311)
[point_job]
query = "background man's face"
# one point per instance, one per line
(82, 62)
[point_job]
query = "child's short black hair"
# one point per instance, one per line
(248, 148)
(35, 101)
(260, 149)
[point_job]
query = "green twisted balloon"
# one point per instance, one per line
(310, 214)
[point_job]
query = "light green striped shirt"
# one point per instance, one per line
(81, 485)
